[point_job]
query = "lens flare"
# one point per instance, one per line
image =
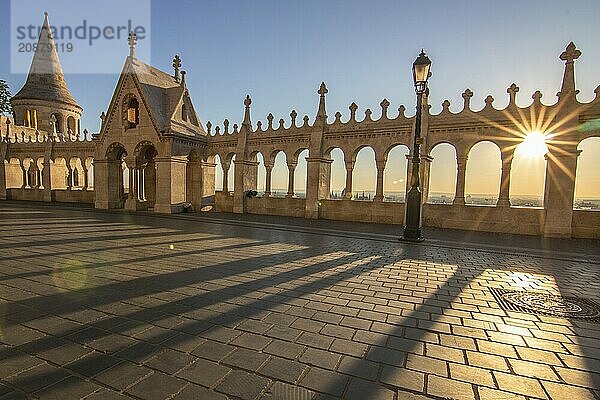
(534, 145)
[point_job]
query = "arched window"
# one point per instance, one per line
(133, 113)
(71, 128)
(56, 122)
(184, 113)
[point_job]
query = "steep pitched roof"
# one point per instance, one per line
(46, 80)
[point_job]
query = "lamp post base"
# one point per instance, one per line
(417, 239)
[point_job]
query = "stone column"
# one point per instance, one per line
(33, 172)
(291, 170)
(245, 179)
(226, 166)
(318, 180)
(208, 183)
(69, 175)
(47, 179)
(348, 189)
(24, 173)
(504, 195)
(150, 183)
(459, 197)
(132, 198)
(379, 188)
(269, 169)
(85, 176)
(2, 170)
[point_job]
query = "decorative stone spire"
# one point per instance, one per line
(322, 113)
(132, 40)
(512, 91)
(247, 122)
(176, 66)
(569, 56)
(46, 80)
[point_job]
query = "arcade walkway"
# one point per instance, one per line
(101, 305)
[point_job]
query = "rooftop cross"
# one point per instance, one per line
(132, 40)
(176, 66)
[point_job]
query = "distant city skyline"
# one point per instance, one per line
(279, 52)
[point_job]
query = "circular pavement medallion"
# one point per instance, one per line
(557, 306)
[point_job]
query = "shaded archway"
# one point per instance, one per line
(300, 174)
(395, 173)
(218, 173)
(279, 175)
(143, 184)
(261, 173)
(587, 177)
(442, 174)
(117, 175)
(482, 176)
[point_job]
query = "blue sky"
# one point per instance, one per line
(279, 52)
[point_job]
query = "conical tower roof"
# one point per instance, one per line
(46, 80)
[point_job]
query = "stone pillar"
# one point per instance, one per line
(194, 184)
(47, 179)
(459, 197)
(291, 170)
(348, 189)
(318, 180)
(208, 183)
(269, 169)
(379, 187)
(504, 195)
(3, 149)
(245, 179)
(226, 166)
(425, 168)
(33, 173)
(150, 183)
(561, 168)
(69, 175)
(85, 176)
(24, 174)
(131, 203)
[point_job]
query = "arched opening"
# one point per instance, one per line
(364, 175)
(261, 174)
(118, 176)
(587, 177)
(528, 174)
(14, 174)
(442, 174)
(482, 176)
(337, 181)
(30, 173)
(145, 174)
(300, 174)
(395, 173)
(184, 113)
(132, 113)
(39, 174)
(76, 178)
(71, 125)
(58, 174)
(231, 175)
(89, 163)
(55, 120)
(218, 174)
(279, 175)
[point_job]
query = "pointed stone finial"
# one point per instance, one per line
(217, 130)
(270, 121)
(338, 117)
(368, 114)
(281, 124)
(176, 66)
(488, 101)
(305, 119)
(293, 116)
(384, 108)
(512, 93)
(322, 112)
(353, 107)
(467, 94)
(446, 106)
(401, 110)
(537, 97)
(208, 127)
(235, 128)
(85, 135)
(225, 126)
(247, 122)
(183, 77)
(567, 90)
(132, 40)
(259, 125)
(570, 54)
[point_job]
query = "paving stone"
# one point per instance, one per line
(518, 384)
(196, 392)
(169, 361)
(559, 391)
(359, 367)
(403, 378)
(123, 375)
(213, 350)
(426, 364)
(283, 391)
(70, 388)
(444, 387)
(321, 380)
(251, 341)
(477, 376)
(246, 359)
(386, 356)
(359, 389)
(157, 386)
(92, 363)
(533, 370)
(204, 372)
(38, 377)
(243, 385)
(283, 370)
(494, 394)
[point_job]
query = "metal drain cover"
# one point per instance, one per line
(547, 304)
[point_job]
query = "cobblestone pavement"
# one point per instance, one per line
(111, 305)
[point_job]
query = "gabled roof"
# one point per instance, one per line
(45, 80)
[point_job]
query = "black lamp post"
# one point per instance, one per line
(412, 229)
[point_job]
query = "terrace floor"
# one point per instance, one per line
(110, 305)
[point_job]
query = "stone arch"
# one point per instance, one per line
(218, 173)
(527, 178)
(300, 177)
(261, 171)
(395, 173)
(13, 173)
(117, 175)
(89, 164)
(71, 125)
(364, 174)
(587, 177)
(483, 173)
(337, 180)
(144, 178)
(442, 175)
(57, 122)
(279, 174)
